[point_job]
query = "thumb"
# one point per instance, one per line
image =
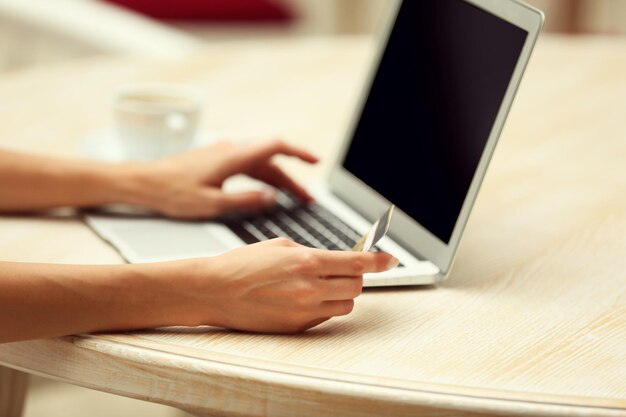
(249, 201)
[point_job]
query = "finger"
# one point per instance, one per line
(348, 263)
(265, 150)
(342, 288)
(310, 324)
(275, 176)
(280, 241)
(337, 308)
(245, 201)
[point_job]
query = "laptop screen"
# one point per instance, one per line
(432, 106)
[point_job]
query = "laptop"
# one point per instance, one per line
(423, 132)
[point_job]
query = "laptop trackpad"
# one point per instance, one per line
(162, 240)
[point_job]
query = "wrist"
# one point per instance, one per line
(127, 183)
(177, 293)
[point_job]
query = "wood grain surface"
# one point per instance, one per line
(532, 320)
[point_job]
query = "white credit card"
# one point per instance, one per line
(377, 231)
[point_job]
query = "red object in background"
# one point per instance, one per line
(209, 10)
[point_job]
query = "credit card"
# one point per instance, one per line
(376, 232)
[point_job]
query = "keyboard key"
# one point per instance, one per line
(309, 225)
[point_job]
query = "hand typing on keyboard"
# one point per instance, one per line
(189, 186)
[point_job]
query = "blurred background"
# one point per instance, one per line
(40, 32)
(35, 33)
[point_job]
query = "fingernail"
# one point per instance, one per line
(269, 197)
(393, 262)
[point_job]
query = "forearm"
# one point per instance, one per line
(30, 183)
(43, 301)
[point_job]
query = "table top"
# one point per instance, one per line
(531, 321)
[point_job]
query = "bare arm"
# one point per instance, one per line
(275, 286)
(44, 300)
(282, 287)
(30, 183)
(185, 186)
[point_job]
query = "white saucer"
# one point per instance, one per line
(106, 146)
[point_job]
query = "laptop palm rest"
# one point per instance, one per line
(155, 240)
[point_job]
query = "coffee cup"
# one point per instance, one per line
(153, 121)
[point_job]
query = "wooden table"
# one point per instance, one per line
(531, 322)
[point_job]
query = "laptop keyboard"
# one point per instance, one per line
(309, 225)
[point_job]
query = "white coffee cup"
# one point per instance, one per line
(154, 121)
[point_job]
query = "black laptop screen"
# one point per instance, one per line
(432, 106)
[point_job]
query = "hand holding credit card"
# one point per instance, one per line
(377, 231)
